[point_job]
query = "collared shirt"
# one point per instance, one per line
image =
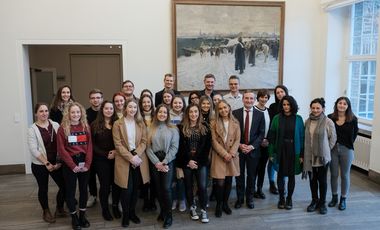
(234, 102)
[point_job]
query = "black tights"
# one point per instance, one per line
(129, 196)
(281, 185)
(223, 189)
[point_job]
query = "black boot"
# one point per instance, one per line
(289, 203)
(342, 203)
(106, 214)
(83, 220)
(75, 222)
(272, 188)
(281, 202)
(160, 216)
(312, 206)
(125, 220)
(116, 211)
(146, 205)
(334, 201)
(218, 209)
(226, 208)
(322, 207)
(168, 221)
(135, 219)
(259, 193)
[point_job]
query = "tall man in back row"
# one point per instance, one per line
(252, 126)
(168, 84)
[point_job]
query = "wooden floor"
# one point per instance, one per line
(19, 209)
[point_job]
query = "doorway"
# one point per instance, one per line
(83, 67)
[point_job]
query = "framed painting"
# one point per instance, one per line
(242, 38)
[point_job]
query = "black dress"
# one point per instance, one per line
(287, 151)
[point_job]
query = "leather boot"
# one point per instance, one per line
(116, 211)
(322, 207)
(47, 216)
(75, 222)
(125, 220)
(60, 212)
(168, 221)
(289, 203)
(281, 202)
(312, 206)
(342, 203)
(334, 201)
(134, 218)
(106, 214)
(226, 208)
(83, 220)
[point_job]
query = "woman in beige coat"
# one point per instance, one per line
(225, 131)
(131, 163)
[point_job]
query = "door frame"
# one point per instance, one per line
(26, 107)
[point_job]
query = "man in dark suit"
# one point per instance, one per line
(252, 126)
(168, 84)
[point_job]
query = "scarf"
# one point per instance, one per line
(318, 135)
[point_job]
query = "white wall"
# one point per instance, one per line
(143, 27)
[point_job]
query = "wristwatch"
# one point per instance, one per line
(47, 164)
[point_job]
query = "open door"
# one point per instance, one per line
(44, 84)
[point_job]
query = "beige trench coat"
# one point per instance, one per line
(123, 154)
(220, 168)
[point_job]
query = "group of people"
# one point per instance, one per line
(168, 151)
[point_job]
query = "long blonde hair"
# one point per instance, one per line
(138, 118)
(218, 120)
(66, 123)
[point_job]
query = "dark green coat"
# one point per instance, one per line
(276, 140)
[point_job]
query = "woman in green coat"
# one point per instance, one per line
(286, 138)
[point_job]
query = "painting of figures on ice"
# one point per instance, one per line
(225, 38)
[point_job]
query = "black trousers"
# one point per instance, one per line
(243, 186)
(163, 182)
(200, 175)
(319, 179)
(129, 196)
(92, 182)
(71, 186)
(42, 176)
(104, 168)
(264, 156)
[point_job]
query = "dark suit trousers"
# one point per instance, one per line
(251, 163)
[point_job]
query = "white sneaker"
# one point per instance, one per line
(204, 216)
(174, 205)
(193, 213)
(182, 205)
(91, 201)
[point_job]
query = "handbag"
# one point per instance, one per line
(160, 155)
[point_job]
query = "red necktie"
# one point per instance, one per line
(246, 128)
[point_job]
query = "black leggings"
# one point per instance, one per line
(71, 186)
(319, 177)
(163, 182)
(104, 168)
(223, 189)
(281, 184)
(128, 195)
(201, 176)
(42, 176)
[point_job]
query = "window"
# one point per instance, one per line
(362, 58)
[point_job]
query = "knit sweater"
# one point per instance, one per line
(164, 139)
(79, 141)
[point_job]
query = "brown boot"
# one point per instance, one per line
(47, 217)
(60, 212)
